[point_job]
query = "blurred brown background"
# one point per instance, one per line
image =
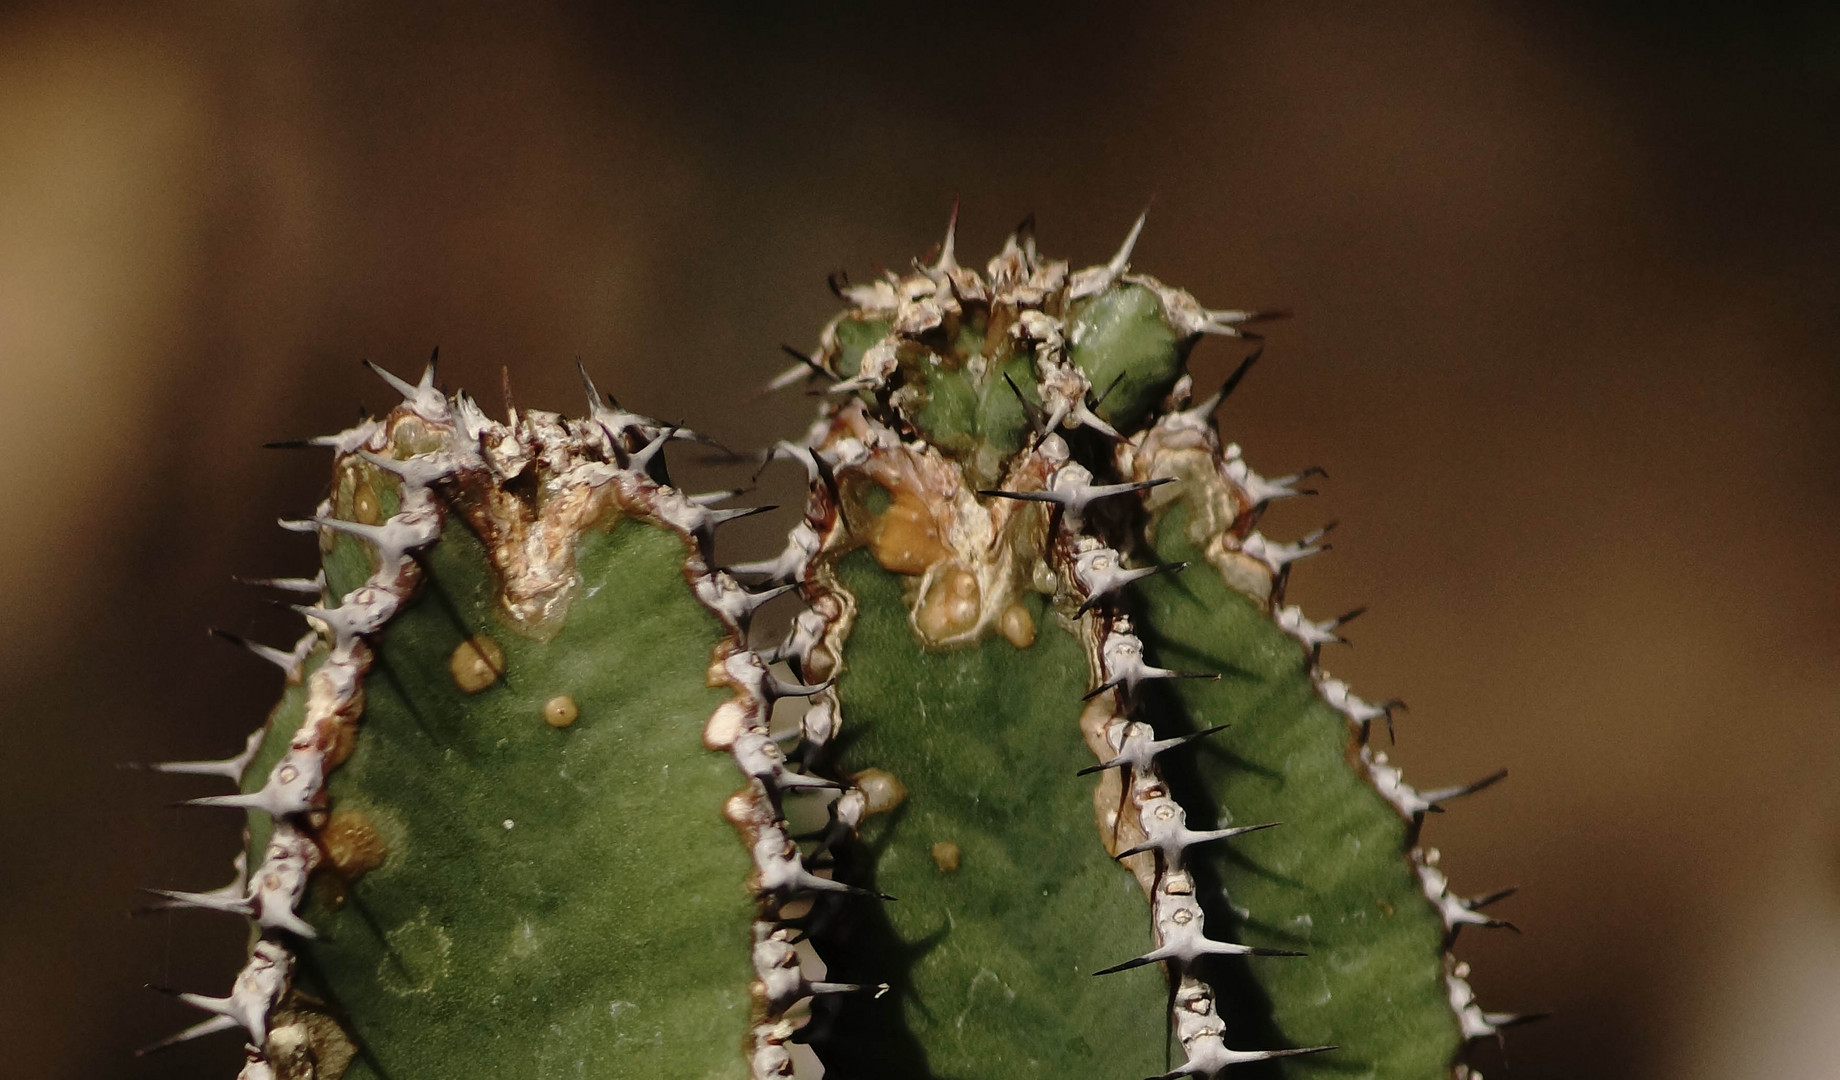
(1566, 296)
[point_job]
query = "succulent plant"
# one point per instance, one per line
(534, 803)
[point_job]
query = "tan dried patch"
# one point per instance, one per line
(725, 725)
(972, 556)
(365, 506)
(305, 1042)
(905, 538)
(716, 674)
(411, 435)
(340, 738)
(530, 509)
(839, 612)
(352, 844)
(1113, 812)
(1219, 513)
(946, 857)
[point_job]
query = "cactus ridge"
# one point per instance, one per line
(453, 458)
(1012, 456)
(1141, 814)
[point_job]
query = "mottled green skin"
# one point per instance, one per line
(1333, 881)
(962, 400)
(982, 422)
(854, 337)
(1120, 342)
(604, 934)
(991, 964)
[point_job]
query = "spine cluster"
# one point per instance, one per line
(788, 893)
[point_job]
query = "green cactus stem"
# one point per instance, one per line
(504, 810)
(975, 554)
(525, 807)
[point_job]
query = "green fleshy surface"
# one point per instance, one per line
(969, 341)
(979, 422)
(604, 934)
(1120, 337)
(1000, 419)
(992, 964)
(854, 337)
(1332, 881)
(950, 416)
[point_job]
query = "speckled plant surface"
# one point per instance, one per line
(527, 806)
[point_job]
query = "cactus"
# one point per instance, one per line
(527, 798)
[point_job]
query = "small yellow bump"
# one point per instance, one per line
(476, 663)
(946, 856)
(332, 891)
(1017, 626)
(882, 790)
(560, 711)
(364, 504)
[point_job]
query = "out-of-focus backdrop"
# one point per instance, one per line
(1567, 293)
